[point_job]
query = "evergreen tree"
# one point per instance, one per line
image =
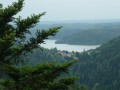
(44, 76)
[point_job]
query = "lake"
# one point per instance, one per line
(79, 48)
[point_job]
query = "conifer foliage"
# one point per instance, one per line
(44, 76)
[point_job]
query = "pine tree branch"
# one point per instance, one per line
(23, 25)
(34, 43)
(6, 15)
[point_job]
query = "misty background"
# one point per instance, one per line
(59, 10)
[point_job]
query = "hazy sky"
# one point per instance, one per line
(71, 9)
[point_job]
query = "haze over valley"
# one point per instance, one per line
(59, 45)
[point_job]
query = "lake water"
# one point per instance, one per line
(79, 48)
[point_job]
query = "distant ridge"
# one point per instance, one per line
(81, 21)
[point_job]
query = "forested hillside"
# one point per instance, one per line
(99, 69)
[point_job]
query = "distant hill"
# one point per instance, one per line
(99, 69)
(92, 34)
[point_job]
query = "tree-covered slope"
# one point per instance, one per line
(99, 69)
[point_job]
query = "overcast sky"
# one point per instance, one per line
(71, 9)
